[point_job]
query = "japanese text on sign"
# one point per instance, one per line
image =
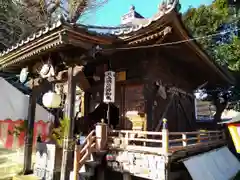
(142, 165)
(109, 87)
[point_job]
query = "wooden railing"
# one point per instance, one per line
(95, 141)
(83, 152)
(162, 142)
(124, 138)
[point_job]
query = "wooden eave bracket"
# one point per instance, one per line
(62, 77)
(79, 77)
(161, 34)
(82, 39)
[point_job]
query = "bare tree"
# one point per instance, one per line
(20, 18)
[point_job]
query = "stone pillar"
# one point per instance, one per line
(101, 136)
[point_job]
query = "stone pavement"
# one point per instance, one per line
(11, 162)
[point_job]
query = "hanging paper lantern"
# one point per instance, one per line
(51, 100)
(23, 75)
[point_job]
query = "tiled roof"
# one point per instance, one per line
(91, 30)
(49, 37)
(137, 24)
(34, 36)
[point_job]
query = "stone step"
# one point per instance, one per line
(8, 170)
(82, 176)
(98, 156)
(90, 166)
(86, 176)
(89, 170)
(26, 177)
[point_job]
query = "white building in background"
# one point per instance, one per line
(13, 112)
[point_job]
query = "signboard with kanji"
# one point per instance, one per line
(147, 166)
(44, 167)
(109, 87)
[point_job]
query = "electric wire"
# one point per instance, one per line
(170, 43)
(162, 44)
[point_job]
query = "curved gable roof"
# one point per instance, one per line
(168, 15)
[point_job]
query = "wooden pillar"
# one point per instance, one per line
(101, 131)
(82, 108)
(101, 136)
(76, 162)
(86, 103)
(68, 143)
(29, 131)
(122, 107)
(165, 147)
(165, 141)
(148, 105)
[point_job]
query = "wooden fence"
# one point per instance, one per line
(162, 142)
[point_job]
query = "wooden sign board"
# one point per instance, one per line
(109, 87)
(44, 167)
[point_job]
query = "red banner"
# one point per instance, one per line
(12, 141)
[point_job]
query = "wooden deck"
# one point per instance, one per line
(150, 155)
(156, 143)
(143, 153)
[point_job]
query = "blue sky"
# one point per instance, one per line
(110, 13)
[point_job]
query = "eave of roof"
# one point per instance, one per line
(31, 38)
(197, 48)
(51, 37)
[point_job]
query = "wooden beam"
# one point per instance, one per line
(62, 78)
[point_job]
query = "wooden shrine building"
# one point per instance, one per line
(158, 65)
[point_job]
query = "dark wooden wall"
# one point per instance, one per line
(154, 66)
(145, 67)
(151, 66)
